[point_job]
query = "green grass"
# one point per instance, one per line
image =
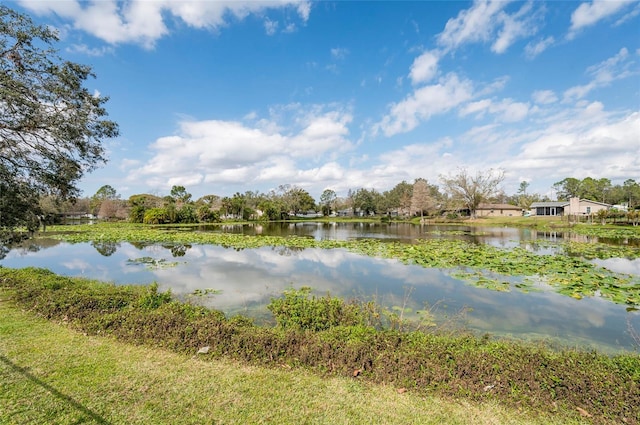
(434, 368)
(50, 374)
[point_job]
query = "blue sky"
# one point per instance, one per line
(225, 97)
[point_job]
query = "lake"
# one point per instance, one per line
(245, 280)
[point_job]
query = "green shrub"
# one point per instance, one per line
(154, 299)
(156, 216)
(298, 309)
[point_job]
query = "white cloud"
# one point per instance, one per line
(506, 110)
(518, 25)
(90, 51)
(228, 151)
(479, 108)
(424, 67)
(584, 142)
(270, 27)
(339, 53)
(544, 97)
(602, 74)
(304, 9)
(322, 133)
(532, 50)
(628, 16)
(589, 13)
(143, 22)
(484, 19)
(471, 25)
(129, 163)
(290, 28)
(425, 102)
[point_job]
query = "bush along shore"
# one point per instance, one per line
(337, 337)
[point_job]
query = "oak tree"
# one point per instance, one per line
(51, 126)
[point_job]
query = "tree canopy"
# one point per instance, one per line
(421, 199)
(51, 126)
(472, 190)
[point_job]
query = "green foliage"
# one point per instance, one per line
(105, 193)
(299, 310)
(154, 299)
(179, 193)
(51, 127)
(187, 214)
(206, 215)
(136, 214)
(328, 201)
(273, 210)
(446, 365)
(156, 216)
(367, 201)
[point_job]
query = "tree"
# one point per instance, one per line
(299, 200)
(109, 209)
(470, 190)
(524, 185)
(524, 199)
(51, 126)
(367, 201)
(421, 199)
(105, 193)
(238, 203)
(631, 192)
(328, 201)
(180, 194)
(212, 201)
(140, 204)
(567, 189)
(400, 198)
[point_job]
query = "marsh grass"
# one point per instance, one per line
(446, 367)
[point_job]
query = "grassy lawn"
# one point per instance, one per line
(54, 375)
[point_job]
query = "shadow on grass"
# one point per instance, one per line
(24, 372)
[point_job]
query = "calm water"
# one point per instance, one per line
(248, 278)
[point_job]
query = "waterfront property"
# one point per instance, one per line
(498, 210)
(574, 206)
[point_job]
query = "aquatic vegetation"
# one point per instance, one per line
(328, 335)
(632, 233)
(601, 251)
(153, 263)
(568, 271)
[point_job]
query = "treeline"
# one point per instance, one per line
(461, 194)
(600, 190)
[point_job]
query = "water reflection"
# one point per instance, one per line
(248, 278)
(105, 248)
(620, 265)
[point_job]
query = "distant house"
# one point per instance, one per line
(309, 214)
(498, 210)
(574, 206)
(76, 216)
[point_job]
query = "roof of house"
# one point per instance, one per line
(498, 207)
(549, 204)
(595, 202)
